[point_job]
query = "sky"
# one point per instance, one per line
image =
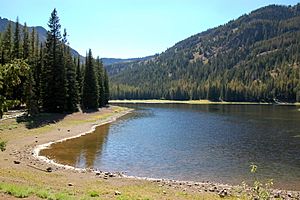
(130, 28)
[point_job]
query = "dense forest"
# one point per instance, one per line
(44, 76)
(254, 58)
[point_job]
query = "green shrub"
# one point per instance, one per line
(3, 145)
(93, 194)
(260, 190)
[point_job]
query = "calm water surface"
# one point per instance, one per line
(194, 142)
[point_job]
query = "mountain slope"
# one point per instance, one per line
(41, 31)
(253, 58)
(112, 61)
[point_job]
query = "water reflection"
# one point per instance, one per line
(80, 152)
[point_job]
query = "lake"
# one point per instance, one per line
(194, 142)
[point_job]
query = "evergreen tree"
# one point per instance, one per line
(79, 79)
(25, 42)
(100, 77)
(106, 88)
(32, 43)
(90, 91)
(7, 45)
(16, 46)
(30, 93)
(53, 73)
(38, 73)
(71, 83)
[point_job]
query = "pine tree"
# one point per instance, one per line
(25, 42)
(90, 91)
(71, 83)
(32, 43)
(16, 46)
(7, 45)
(38, 73)
(100, 77)
(1, 50)
(106, 87)
(79, 79)
(53, 75)
(30, 93)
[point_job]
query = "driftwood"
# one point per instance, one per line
(44, 170)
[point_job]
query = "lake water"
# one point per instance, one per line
(194, 142)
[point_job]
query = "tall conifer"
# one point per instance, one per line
(90, 91)
(7, 45)
(106, 88)
(71, 83)
(53, 73)
(100, 77)
(79, 79)
(16, 46)
(25, 42)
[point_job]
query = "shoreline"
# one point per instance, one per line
(36, 150)
(27, 147)
(206, 186)
(196, 102)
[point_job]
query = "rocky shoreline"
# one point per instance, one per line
(30, 156)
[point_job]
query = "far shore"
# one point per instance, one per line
(195, 102)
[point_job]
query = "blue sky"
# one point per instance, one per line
(130, 28)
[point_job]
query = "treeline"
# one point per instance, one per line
(44, 76)
(255, 58)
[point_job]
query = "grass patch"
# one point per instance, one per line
(162, 101)
(93, 194)
(16, 190)
(20, 191)
(43, 194)
(125, 197)
(62, 196)
(8, 126)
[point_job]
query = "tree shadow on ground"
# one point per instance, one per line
(41, 119)
(90, 110)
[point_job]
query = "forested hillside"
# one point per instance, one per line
(112, 61)
(254, 58)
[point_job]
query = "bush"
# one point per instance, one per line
(3, 145)
(260, 190)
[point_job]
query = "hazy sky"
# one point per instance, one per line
(130, 28)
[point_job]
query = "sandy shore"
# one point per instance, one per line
(24, 146)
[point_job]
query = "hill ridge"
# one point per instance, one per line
(253, 58)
